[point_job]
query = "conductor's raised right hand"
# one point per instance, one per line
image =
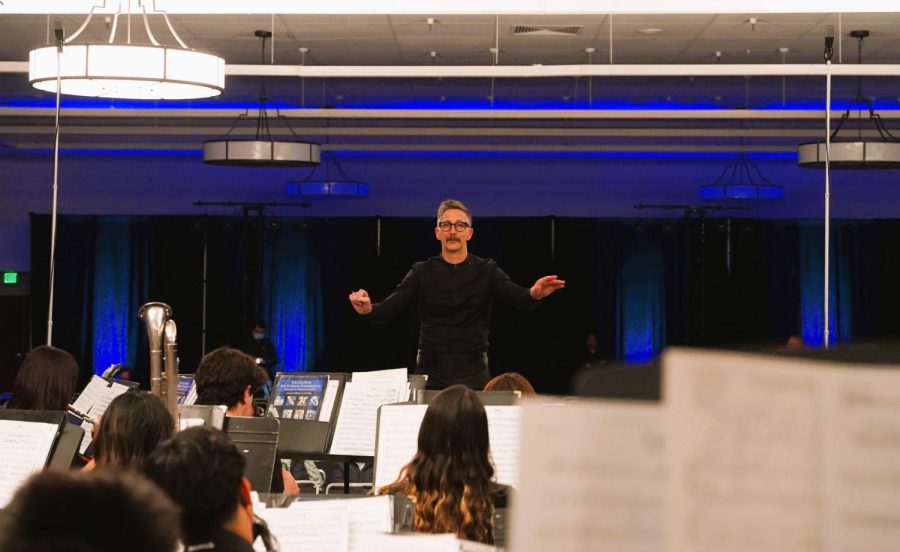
(360, 301)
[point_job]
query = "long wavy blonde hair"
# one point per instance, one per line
(451, 477)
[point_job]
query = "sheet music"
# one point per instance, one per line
(504, 427)
(355, 431)
(592, 474)
(392, 375)
(90, 394)
(328, 398)
(863, 414)
(320, 525)
(24, 451)
(368, 517)
(746, 439)
(94, 401)
(398, 436)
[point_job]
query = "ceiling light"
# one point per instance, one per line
(333, 185)
(650, 31)
(855, 154)
(263, 150)
(128, 71)
(741, 180)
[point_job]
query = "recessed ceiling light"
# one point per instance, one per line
(650, 31)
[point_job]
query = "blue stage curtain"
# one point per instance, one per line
(292, 289)
(117, 287)
(640, 305)
(812, 285)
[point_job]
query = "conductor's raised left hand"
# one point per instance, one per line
(546, 285)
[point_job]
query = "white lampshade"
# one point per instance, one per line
(126, 71)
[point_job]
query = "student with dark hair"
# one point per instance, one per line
(57, 510)
(132, 426)
(229, 377)
(451, 477)
(202, 471)
(46, 380)
(511, 381)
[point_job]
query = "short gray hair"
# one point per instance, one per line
(453, 204)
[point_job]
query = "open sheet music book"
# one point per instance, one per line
(338, 525)
(775, 454)
(592, 477)
(398, 432)
(24, 450)
(94, 400)
(299, 396)
(354, 433)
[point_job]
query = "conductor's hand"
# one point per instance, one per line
(360, 301)
(546, 285)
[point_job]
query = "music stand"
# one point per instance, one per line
(257, 439)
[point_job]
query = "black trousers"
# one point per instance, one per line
(446, 369)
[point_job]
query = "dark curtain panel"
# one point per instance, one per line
(639, 285)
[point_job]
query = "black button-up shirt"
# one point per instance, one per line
(453, 302)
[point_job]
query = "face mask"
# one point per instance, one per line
(258, 335)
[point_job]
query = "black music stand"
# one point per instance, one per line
(257, 439)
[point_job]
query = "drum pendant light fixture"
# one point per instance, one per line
(263, 150)
(854, 153)
(126, 70)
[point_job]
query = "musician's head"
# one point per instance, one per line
(83, 512)
(454, 227)
(132, 426)
(203, 473)
(511, 381)
(230, 377)
(46, 380)
(451, 474)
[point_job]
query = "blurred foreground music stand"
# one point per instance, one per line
(641, 382)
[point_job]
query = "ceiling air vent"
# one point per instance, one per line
(546, 30)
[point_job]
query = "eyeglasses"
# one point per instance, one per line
(460, 226)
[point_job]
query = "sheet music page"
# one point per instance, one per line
(863, 413)
(746, 441)
(592, 477)
(355, 431)
(100, 392)
(105, 396)
(26, 447)
(320, 525)
(504, 427)
(328, 398)
(90, 394)
(393, 374)
(398, 435)
(368, 518)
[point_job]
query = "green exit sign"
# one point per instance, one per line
(10, 278)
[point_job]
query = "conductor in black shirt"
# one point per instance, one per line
(452, 294)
